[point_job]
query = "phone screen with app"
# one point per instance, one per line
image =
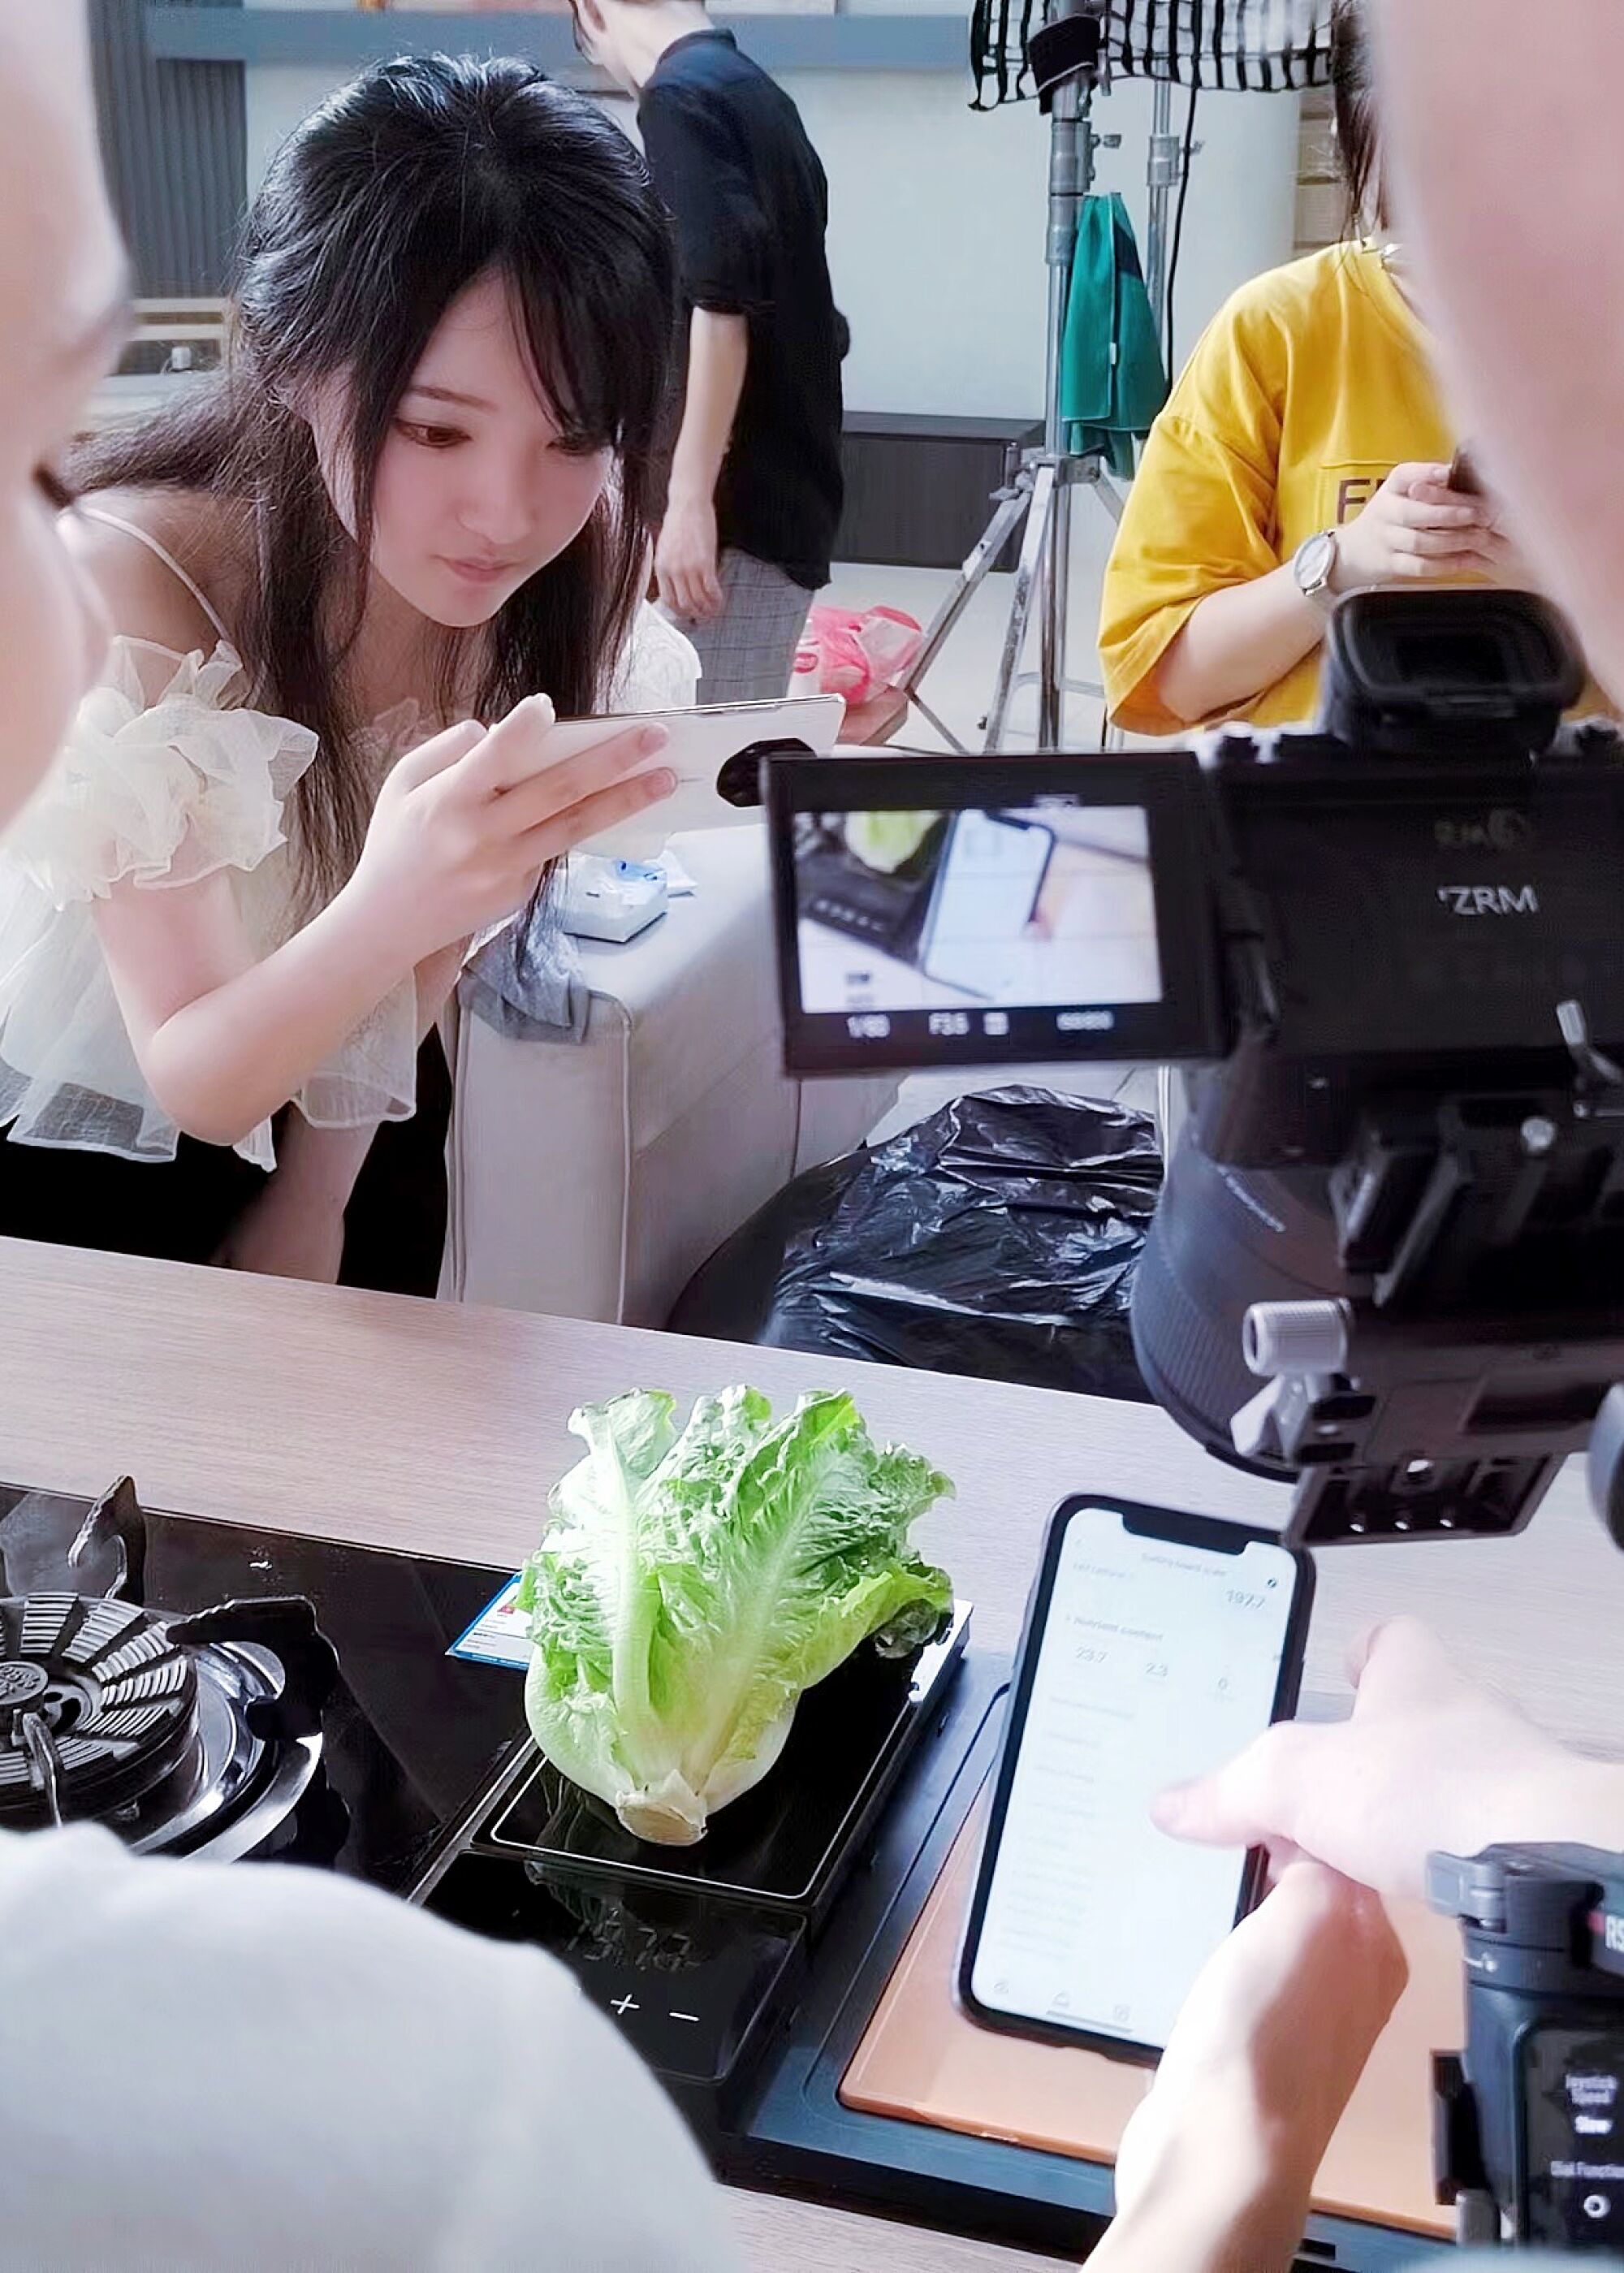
(976, 933)
(1150, 1659)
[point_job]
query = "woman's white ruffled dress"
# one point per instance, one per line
(167, 778)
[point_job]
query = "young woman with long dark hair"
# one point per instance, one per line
(414, 505)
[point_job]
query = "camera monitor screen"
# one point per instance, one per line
(1061, 913)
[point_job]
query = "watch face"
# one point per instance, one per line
(1315, 559)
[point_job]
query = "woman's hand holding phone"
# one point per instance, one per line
(1217, 2166)
(1415, 528)
(464, 825)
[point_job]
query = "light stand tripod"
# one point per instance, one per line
(1038, 501)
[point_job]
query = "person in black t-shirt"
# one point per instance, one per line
(755, 477)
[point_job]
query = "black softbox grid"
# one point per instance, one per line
(1262, 45)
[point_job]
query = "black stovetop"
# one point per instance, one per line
(408, 1733)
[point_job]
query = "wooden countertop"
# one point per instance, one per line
(423, 1426)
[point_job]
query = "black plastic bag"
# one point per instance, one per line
(998, 1238)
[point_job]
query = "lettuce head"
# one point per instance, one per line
(693, 1581)
(887, 841)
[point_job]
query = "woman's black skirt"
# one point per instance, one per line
(181, 1210)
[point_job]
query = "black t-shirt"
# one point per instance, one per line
(731, 161)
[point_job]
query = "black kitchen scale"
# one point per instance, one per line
(700, 1952)
(884, 908)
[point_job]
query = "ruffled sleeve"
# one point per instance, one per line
(164, 779)
(658, 669)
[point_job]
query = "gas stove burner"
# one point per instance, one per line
(286, 1761)
(98, 1707)
(183, 1735)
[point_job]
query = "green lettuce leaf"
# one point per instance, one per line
(885, 841)
(694, 1583)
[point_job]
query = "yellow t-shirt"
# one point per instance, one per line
(1307, 390)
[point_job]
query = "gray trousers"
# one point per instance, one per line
(747, 655)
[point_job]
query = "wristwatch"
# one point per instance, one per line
(1313, 563)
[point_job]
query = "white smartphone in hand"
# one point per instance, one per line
(702, 744)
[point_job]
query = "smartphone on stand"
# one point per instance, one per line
(1157, 1646)
(713, 755)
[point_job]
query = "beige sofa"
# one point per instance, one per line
(591, 1180)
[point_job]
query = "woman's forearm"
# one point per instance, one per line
(225, 1061)
(323, 1164)
(1236, 643)
(1163, 2235)
(1200, 2219)
(718, 358)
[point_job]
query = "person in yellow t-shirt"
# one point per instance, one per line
(1304, 453)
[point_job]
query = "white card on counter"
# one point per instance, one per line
(500, 1635)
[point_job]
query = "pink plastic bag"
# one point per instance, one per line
(859, 653)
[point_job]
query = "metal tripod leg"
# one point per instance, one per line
(1035, 548)
(1052, 626)
(1112, 736)
(1040, 494)
(1086, 473)
(1090, 473)
(1012, 506)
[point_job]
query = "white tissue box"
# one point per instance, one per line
(608, 899)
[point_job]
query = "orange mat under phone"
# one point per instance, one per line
(921, 2060)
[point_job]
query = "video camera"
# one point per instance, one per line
(1388, 1260)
